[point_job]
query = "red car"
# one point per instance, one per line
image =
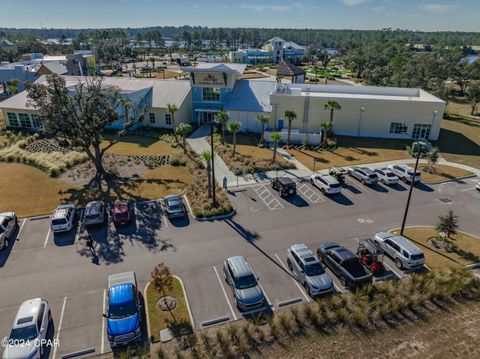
(122, 213)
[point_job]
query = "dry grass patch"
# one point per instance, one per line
(29, 191)
(3, 139)
(141, 145)
(167, 74)
(442, 173)
(458, 108)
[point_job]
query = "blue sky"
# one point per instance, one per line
(461, 15)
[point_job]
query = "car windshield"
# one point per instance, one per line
(245, 282)
(24, 333)
(121, 215)
(335, 185)
(124, 310)
(92, 215)
(390, 174)
(416, 257)
(373, 175)
(314, 269)
(58, 221)
(174, 207)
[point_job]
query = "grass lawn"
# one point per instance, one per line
(353, 151)
(470, 245)
(459, 108)
(443, 173)
(167, 74)
(28, 190)
(160, 320)
(142, 145)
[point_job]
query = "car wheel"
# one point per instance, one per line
(363, 181)
(5, 243)
(311, 182)
(307, 288)
(398, 263)
(322, 190)
(289, 264)
(343, 281)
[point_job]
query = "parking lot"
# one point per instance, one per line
(63, 270)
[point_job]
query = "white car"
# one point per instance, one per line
(8, 225)
(326, 183)
(28, 331)
(405, 173)
(364, 175)
(63, 218)
(386, 176)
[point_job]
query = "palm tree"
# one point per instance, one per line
(12, 87)
(264, 120)
(332, 106)
(276, 137)
(327, 128)
(290, 115)
(222, 117)
(207, 157)
(171, 109)
(183, 130)
(233, 127)
(448, 224)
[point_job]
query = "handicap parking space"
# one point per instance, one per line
(310, 193)
(266, 195)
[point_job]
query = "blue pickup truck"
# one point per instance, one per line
(124, 310)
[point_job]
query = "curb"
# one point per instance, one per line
(186, 301)
(146, 311)
(215, 218)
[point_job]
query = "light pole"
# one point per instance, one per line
(405, 214)
(362, 110)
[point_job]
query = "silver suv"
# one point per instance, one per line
(364, 175)
(247, 293)
(29, 329)
(386, 176)
(95, 213)
(401, 250)
(8, 225)
(405, 173)
(326, 183)
(63, 218)
(308, 270)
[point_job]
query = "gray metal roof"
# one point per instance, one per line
(252, 96)
(57, 67)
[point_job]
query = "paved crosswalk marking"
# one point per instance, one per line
(267, 197)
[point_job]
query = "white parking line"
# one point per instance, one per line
(59, 327)
(46, 239)
(267, 197)
(399, 275)
(102, 345)
(21, 227)
(266, 297)
(225, 294)
(310, 194)
(307, 298)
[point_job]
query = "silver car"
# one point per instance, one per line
(308, 270)
(326, 183)
(95, 213)
(29, 330)
(364, 175)
(8, 225)
(401, 250)
(405, 173)
(386, 176)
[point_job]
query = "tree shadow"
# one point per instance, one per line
(456, 143)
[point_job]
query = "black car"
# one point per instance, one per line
(345, 264)
(286, 186)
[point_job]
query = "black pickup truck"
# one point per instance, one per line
(345, 264)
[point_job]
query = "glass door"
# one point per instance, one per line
(421, 131)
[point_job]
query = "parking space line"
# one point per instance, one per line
(59, 327)
(310, 194)
(266, 296)
(21, 227)
(46, 239)
(102, 345)
(394, 271)
(307, 298)
(225, 293)
(267, 197)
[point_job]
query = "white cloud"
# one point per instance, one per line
(438, 8)
(354, 2)
(260, 8)
(379, 9)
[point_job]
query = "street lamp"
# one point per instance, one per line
(362, 110)
(420, 149)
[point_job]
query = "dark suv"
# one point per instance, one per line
(286, 186)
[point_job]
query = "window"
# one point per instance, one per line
(421, 131)
(211, 94)
(25, 120)
(151, 116)
(40, 316)
(398, 128)
(168, 119)
(12, 119)
(37, 122)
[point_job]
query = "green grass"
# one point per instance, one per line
(142, 145)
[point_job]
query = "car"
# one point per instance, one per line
(63, 218)
(123, 310)
(386, 176)
(174, 207)
(29, 328)
(95, 213)
(308, 270)
(247, 293)
(8, 225)
(122, 213)
(405, 173)
(344, 264)
(403, 252)
(363, 174)
(326, 183)
(284, 185)
(478, 186)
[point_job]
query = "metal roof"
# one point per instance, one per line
(216, 67)
(248, 95)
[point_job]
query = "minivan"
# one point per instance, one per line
(401, 250)
(247, 293)
(63, 218)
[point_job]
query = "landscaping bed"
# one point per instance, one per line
(464, 248)
(159, 319)
(441, 173)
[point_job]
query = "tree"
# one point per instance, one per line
(432, 158)
(79, 117)
(183, 130)
(473, 95)
(332, 106)
(222, 117)
(172, 109)
(290, 115)
(448, 224)
(12, 87)
(327, 129)
(162, 280)
(264, 120)
(207, 157)
(276, 137)
(233, 127)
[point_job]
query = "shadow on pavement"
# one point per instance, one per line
(379, 188)
(180, 222)
(341, 199)
(423, 187)
(296, 200)
(398, 187)
(351, 188)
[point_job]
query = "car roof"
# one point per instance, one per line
(329, 179)
(93, 207)
(121, 293)
(406, 244)
(343, 253)
(285, 180)
(365, 169)
(328, 245)
(239, 266)
(28, 309)
(304, 253)
(120, 207)
(61, 211)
